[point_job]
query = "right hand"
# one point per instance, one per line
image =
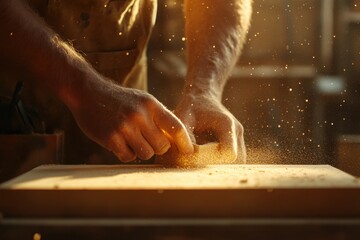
(128, 122)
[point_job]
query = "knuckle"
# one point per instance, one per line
(145, 153)
(162, 147)
(137, 119)
(129, 128)
(112, 144)
(134, 118)
(148, 101)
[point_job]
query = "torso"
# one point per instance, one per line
(93, 30)
(99, 25)
(111, 34)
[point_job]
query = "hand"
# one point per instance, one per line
(207, 120)
(128, 122)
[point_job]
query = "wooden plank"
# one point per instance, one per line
(157, 177)
(154, 191)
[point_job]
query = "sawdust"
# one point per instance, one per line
(206, 154)
(284, 155)
(265, 153)
(283, 150)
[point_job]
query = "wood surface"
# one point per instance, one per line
(155, 191)
(158, 177)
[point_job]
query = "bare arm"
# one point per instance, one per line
(28, 42)
(128, 122)
(215, 33)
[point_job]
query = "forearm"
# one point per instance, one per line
(215, 33)
(127, 122)
(28, 42)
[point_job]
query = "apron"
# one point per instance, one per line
(112, 35)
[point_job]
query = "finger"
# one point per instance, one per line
(156, 138)
(190, 130)
(175, 130)
(139, 145)
(119, 147)
(241, 158)
(192, 136)
(227, 137)
(189, 124)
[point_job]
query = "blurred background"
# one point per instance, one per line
(296, 86)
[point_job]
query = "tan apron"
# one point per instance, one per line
(112, 35)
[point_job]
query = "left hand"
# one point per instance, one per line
(207, 120)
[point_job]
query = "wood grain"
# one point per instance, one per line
(158, 177)
(154, 191)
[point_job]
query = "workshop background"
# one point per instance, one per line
(295, 88)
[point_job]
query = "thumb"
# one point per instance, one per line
(175, 130)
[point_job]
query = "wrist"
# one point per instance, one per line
(71, 88)
(201, 90)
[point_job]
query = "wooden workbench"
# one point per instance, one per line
(151, 191)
